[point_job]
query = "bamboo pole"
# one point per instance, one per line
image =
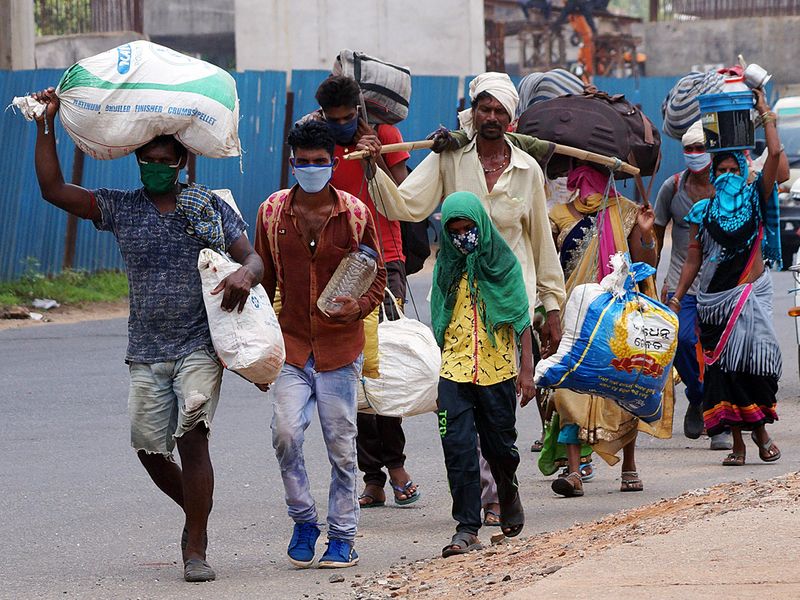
(608, 161)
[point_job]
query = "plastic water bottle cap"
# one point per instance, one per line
(369, 251)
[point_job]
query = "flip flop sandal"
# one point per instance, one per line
(487, 522)
(632, 484)
(512, 518)
(461, 543)
(762, 450)
(537, 446)
(403, 489)
(372, 503)
(196, 569)
(734, 460)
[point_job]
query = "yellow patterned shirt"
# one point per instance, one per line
(468, 355)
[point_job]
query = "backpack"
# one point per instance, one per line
(597, 122)
(386, 88)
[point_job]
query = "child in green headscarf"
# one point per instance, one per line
(479, 310)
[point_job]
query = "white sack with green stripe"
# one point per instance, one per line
(617, 343)
(117, 101)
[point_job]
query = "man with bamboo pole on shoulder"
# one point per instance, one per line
(509, 183)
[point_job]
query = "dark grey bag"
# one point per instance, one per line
(386, 87)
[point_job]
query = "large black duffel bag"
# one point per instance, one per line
(596, 122)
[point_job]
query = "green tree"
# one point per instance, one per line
(63, 17)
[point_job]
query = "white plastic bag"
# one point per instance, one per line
(617, 343)
(117, 101)
(410, 361)
(249, 343)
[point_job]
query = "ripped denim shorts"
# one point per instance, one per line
(167, 399)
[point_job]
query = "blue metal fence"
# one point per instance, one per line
(262, 104)
(30, 228)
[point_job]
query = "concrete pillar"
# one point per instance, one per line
(17, 35)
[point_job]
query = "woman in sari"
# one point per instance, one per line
(588, 231)
(733, 235)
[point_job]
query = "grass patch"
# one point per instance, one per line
(69, 287)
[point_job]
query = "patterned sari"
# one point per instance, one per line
(742, 354)
(581, 239)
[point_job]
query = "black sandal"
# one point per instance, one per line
(197, 570)
(512, 518)
(461, 543)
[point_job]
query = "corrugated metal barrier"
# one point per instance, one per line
(32, 229)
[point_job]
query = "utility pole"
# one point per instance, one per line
(653, 11)
(71, 235)
(17, 37)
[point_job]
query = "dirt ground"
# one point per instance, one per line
(514, 565)
(91, 311)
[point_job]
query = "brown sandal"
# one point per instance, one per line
(570, 486)
(734, 460)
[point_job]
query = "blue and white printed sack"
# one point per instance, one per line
(617, 343)
(117, 101)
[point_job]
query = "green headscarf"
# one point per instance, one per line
(493, 272)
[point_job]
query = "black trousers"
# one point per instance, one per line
(467, 409)
(381, 441)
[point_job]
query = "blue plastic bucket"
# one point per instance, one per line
(727, 121)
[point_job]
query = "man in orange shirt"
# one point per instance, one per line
(305, 232)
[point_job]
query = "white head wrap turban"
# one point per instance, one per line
(694, 135)
(499, 85)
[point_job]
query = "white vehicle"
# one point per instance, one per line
(788, 111)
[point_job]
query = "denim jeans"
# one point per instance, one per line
(686, 354)
(294, 396)
(167, 399)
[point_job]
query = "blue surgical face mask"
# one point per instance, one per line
(466, 242)
(312, 178)
(697, 162)
(343, 133)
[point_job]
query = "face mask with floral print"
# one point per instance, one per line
(466, 242)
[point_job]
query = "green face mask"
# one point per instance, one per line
(158, 178)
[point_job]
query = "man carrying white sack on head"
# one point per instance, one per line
(510, 186)
(175, 375)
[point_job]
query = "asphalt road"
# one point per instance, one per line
(79, 517)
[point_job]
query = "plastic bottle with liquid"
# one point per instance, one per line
(351, 278)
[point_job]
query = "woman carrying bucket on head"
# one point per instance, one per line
(733, 235)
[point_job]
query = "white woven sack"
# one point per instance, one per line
(410, 361)
(117, 101)
(249, 343)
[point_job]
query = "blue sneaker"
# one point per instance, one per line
(339, 554)
(301, 548)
